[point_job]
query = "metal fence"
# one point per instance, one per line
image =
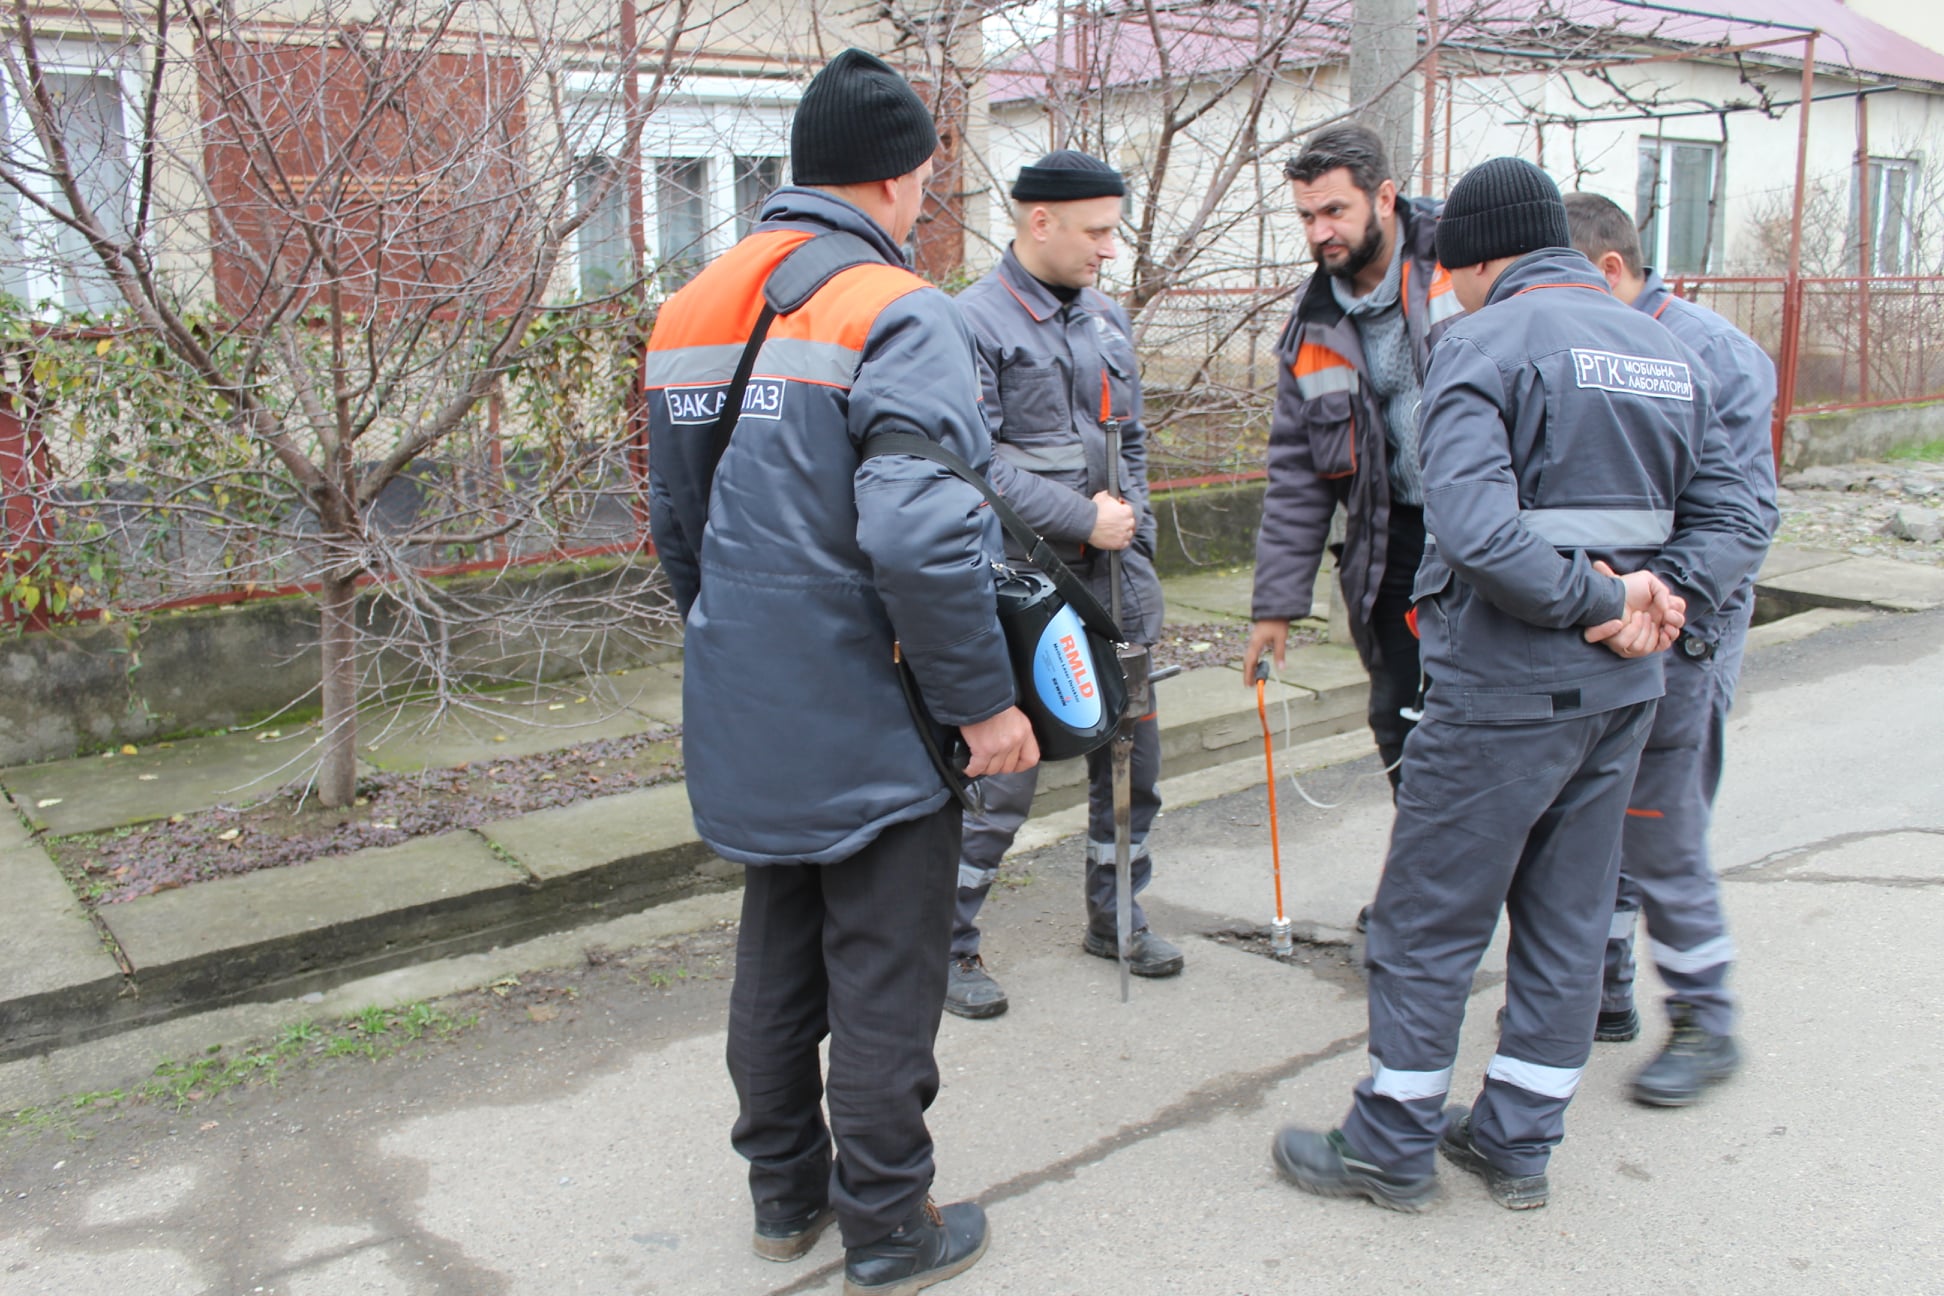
(1209, 369)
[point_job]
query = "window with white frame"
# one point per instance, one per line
(1891, 185)
(711, 154)
(682, 217)
(45, 262)
(1675, 204)
(606, 246)
(756, 179)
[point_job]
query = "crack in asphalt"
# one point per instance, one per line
(1809, 850)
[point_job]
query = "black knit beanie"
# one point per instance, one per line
(1067, 175)
(859, 121)
(1506, 207)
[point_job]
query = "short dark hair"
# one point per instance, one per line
(1601, 225)
(1355, 149)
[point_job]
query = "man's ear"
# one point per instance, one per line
(1614, 267)
(1386, 198)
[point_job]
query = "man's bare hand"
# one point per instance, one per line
(1652, 620)
(1268, 634)
(1002, 744)
(1113, 523)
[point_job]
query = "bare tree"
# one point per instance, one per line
(316, 259)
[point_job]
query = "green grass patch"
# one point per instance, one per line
(372, 1033)
(1924, 451)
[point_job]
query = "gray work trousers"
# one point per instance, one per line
(854, 951)
(1665, 870)
(1527, 817)
(1008, 799)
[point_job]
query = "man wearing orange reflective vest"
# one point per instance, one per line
(1351, 372)
(801, 569)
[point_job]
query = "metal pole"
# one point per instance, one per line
(1865, 248)
(1121, 751)
(636, 408)
(1430, 75)
(1792, 323)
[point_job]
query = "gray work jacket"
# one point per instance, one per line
(812, 560)
(1327, 439)
(1743, 379)
(1562, 427)
(1045, 367)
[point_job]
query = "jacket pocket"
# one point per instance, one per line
(1032, 402)
(1331, 423)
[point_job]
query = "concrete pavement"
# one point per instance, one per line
(1126, 1148)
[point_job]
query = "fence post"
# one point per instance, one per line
(23, 461)
(1792, 293)
(1866, 248)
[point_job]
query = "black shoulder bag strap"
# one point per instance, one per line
(1038, 552)
(795, 280)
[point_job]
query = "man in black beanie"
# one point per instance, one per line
(803, 574)
(1566, 438)
(1057, 364)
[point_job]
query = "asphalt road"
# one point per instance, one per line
(583, 1147)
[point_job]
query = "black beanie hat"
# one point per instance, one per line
(1067, 175)
(1506, 207)
(859, 121)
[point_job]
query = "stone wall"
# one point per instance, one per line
(1846, 436)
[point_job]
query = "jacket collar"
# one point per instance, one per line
(1546, 268)
(1654, 294)
(1417, 230)
(796, 206)
(1035, 296)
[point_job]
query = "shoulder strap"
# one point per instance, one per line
(1038, 552)
(803, 270)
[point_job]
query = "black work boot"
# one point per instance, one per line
(928, 1248)
(1514, 1192)
(791, 1237)
(1617, 1025)
(1324, 1164)
(970, 990)
(1147, 956)
(1691, 1061)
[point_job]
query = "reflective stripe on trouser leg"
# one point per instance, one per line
(1464, 811)
(1665, 858)
(1617, 987)
(1145, 804)
(1560, 910)
(1008, 798)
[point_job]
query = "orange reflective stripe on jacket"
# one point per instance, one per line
(1318, 369)
(701, 330)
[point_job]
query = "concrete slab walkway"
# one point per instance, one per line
(65, 978)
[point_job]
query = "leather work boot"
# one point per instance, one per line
(1691, 1061)
(928, 1248)
(1150, 956)
(1617, 1026)
(1324, 1164)
(970, 990)
(1514, 1192)
(793, 1236)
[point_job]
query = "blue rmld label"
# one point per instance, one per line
(1063, 672)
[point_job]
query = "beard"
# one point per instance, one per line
(1357, 255)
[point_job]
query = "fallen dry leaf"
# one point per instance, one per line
(128, 749)
(543, 1012)
(230, 835)
(45, 802)
(147, 778)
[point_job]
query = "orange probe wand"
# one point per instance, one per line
(1280, 941)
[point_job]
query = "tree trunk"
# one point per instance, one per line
(337, 766)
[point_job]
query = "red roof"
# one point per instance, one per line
(1219, 37)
